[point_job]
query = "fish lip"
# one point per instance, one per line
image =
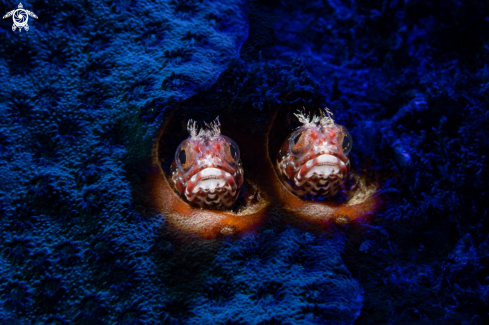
(221, 166)
(325, 160)
(339, 155)
(210, 173)
(321, 160)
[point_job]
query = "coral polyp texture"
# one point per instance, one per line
(86, 91)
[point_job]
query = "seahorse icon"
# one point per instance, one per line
(20, 17)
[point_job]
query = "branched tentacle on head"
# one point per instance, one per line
(211, 130)
(192, 128)
(324, 119)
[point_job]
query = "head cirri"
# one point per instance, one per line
(206, 169)
(312, 161)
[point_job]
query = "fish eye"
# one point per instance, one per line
(297, 138)
(234, 151)
(347, 142)
(231, 153)
(182, 156)
(298, 142)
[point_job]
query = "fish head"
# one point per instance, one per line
(313, 160)
(207, 169)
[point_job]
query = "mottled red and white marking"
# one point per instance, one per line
(313, 160)
(207, 169)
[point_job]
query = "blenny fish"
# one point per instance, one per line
(313, 161)
(192, 205)
(207, 169)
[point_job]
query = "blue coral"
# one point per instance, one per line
(39, 260)
(16, 294)
(92, 308)
(51, 290)
(134, 312)
(18, 248)
(86, 89)
(68, 252)
(123, 275)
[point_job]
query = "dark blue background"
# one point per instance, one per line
(84, 91)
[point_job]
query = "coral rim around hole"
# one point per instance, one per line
(204, 222)
(359, 203)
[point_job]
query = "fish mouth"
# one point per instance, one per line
(325, 168)
(212, 187)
